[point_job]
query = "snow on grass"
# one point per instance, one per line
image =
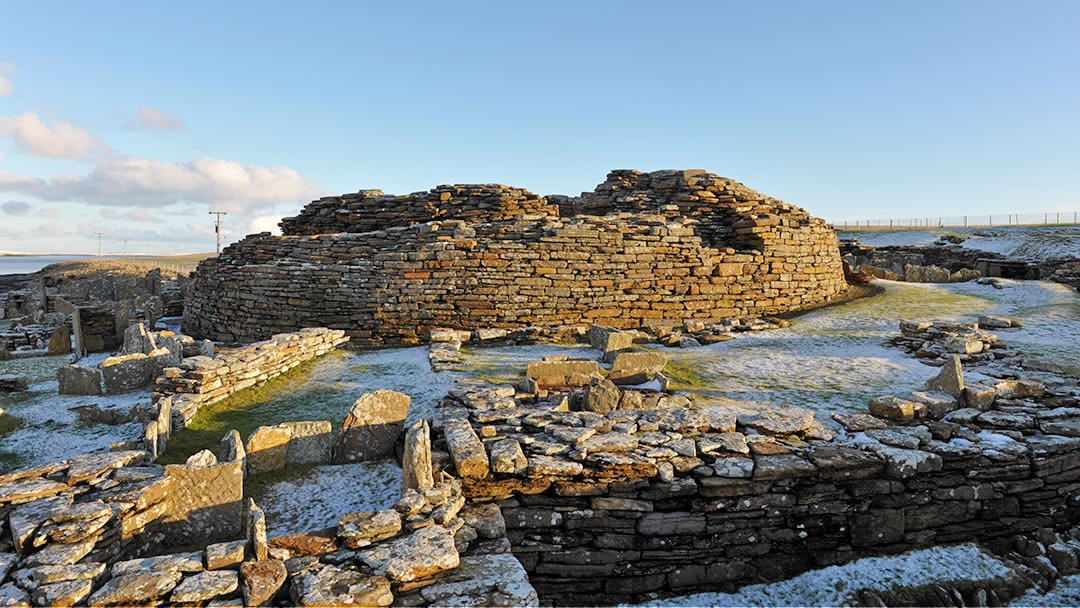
(50, 430)
(837, 585)
(833, 359)
(1033, 242)
(316, 497)
(1065, 593)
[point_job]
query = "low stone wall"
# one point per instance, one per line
(602, 508)
(202, 379)
(80, 532)
(673, 246)
(107, 506)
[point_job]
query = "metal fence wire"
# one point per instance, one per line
(1053, 218)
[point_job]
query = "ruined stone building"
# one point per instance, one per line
(642, 247)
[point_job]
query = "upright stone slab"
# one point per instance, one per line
(138, 339)
(205, 503)
(123, 313)
(609, 340)
(268, 448)
(232, 448)
(310, 442)
(60, 341)
(372, 426)
(468, 453)
(76, 328)
(78, 380)
(416, 470)
(950, 379)
(127, 372)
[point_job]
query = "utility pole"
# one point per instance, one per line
(217, 228)
(99, 242)
(125, 247)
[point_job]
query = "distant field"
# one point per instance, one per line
(170, 265)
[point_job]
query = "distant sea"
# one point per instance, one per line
(25, 264)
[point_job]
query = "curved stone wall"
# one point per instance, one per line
(665, 246)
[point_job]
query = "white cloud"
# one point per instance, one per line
(62, 140)
(15, 208)
(126, 182)
(265, 223)
(149, 118)
(6, 86)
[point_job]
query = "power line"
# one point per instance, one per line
(217, 228)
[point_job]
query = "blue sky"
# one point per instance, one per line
(136, 118)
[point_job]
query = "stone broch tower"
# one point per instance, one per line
(663, 246)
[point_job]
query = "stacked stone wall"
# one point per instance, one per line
(601, 509)
(394, 285)
(180, 391)
(369, 210)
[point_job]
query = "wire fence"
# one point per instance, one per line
(1053, 218)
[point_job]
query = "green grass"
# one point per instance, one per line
(683, 375)
(9, 423)
(240, 411)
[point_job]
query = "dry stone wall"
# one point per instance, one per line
(369, 210)
(602, 508)
(698, 248)
(97, 530)
(180, 391)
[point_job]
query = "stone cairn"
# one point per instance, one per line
(645, 247)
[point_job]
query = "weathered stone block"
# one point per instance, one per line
(268, 448)
(127, 372)
(310, 442)
(372, 426)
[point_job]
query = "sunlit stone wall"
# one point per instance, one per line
(665, 246)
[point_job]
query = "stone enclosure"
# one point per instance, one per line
(642, 248)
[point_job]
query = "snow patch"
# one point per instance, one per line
(835, 585)
(319, 497)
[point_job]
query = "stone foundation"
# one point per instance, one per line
(660, 248)
(203, 379)
(603, 508)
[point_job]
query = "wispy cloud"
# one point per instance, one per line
(150, 118)
(6, 86)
